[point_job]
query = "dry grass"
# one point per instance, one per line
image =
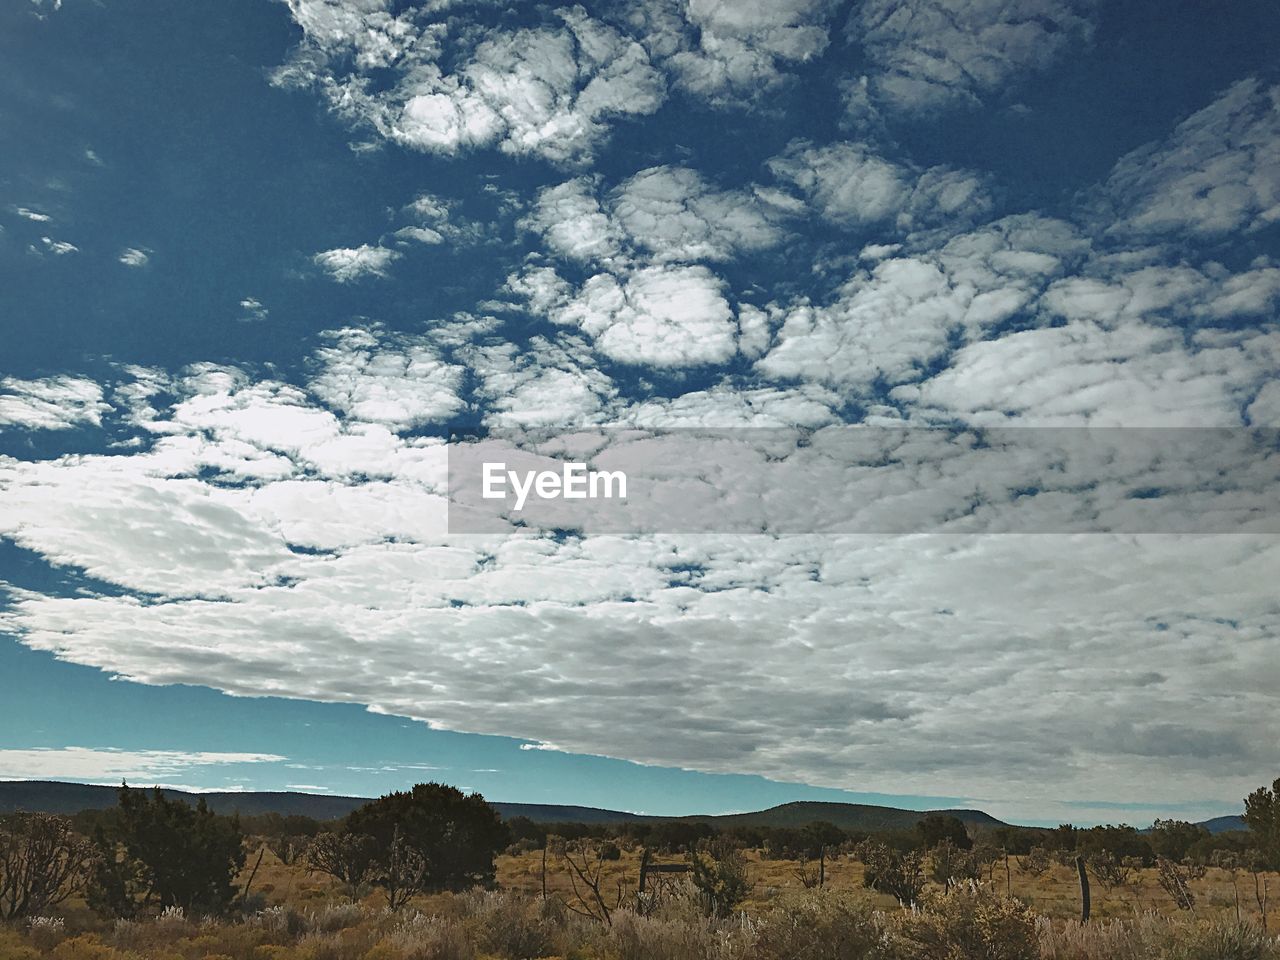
(302, 916)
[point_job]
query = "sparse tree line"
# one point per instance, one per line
(151, 853)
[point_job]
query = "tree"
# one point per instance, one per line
(719, 873)
(1173, 839)
(42, 863)
(165, 853)
(1037, 862)
(899, 874)
(347, 857)
(1112, 871)
(586, 878)
(1176, 882)
(937, 827)
(286, 836)
(400, 874)
(1262, 817)
(458, 835)
(949, 864)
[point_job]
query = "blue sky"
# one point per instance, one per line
(259, 260)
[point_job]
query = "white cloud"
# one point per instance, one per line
(1133, 374)
(660, 316)
(398, 382)
(133, 257)
(661, 214)
(852, 185)
(550, 91)
(934, 53)
(548, 384)
(730, 53)
(59, 248)
(252, 310)
(53, 403)
(893, 321)
(347, 264)
(108, 765)
(29, 214)
(435, 222)
(1215, 175)
(269, 524)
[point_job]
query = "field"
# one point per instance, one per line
(296, 914)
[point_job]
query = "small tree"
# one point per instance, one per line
(1112, 871)
(937, 827)
(458, 835)
(1262, 817)
(1176, 883)
(42, 863)
(719, 873)
(1037, 862)
(165, 853)
(899, 874)
(400, 873)
(1173, 839)
(347, 857)
(586, 878)
(949, 864)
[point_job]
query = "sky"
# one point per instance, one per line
(263, 263)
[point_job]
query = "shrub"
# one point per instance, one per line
(42, 863)
(719, 873)
(46, 932)
(87, 946)
(420, 937)
(165, 851)
(512, 927)
(890, 871)
(12, 947)
(457, 835)
(1220, 940)
(970, 922)
(635, 937)
(819, 926)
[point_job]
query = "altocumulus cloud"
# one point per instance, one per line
(347, 264)
(298, 528)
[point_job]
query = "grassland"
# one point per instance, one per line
(295, 914)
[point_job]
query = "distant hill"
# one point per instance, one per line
(846, 816)
(48, 796)
(1223, 824)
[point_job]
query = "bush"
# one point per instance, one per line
(163, 850)
(87, 946)
(12, 947)
(819, 926)
(1220, 940)
(420, 937)
(634, 937)
(457, 835)
(512, 927)
(970, 922)
(42, 863)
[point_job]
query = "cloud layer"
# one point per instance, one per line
(282, 529)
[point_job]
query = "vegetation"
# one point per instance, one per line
(172, 881)
(456, 835)
(42, 863)
(162, 853)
